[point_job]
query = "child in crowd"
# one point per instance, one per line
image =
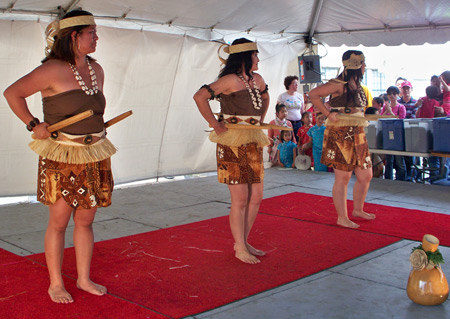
(304, 147)
(274, 135)
(287, 150)
(445, 80)
(377, 103)
(393, 107)
(316, 133)
(428, 104)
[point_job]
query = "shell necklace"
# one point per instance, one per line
(257, 101)
(83, 86)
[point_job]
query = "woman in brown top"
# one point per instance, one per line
(74, 165)
(345, 147)
(243, 100)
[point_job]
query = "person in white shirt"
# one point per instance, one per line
(294, 102)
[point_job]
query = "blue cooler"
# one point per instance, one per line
(393, 134)
(418, 135)
(441, 134)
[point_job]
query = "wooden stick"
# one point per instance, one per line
(69, 121)
(118, 118)
(261, 126)
(368, 117)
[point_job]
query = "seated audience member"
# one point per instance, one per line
(434, 81)
(274, 134)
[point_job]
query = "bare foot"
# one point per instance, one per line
(347, 223)
(363, 215)
(92, 288)
(59, 294)
(252, 250)
(243, 255)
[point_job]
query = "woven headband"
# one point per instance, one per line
(236, 48)
(354, 61)
(53, 28)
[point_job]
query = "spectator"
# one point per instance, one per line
(316, 134)
(286, 150)
(304, 147)
(445, 80)
(294, 102)
(427, 105)
(377, 102)
(434, 81)
(407, 100)
(274, 134)
(396, 109)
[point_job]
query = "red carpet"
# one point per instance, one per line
(23, 294)
(188, 269)
(393, 221)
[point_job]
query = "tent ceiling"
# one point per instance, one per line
(334, 22)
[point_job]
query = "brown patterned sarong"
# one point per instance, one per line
(240, 165)
(82, 186)
(345, 148)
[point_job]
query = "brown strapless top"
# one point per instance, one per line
(239, 103)
(66, 104)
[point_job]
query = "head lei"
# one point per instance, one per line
(236, 48)
(54, 27)
(354, 62)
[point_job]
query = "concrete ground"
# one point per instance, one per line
(371, 286)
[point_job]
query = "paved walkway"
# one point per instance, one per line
(371, 286)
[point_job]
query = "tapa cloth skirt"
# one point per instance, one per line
(82, 186)
(240, 165)
(345, 148)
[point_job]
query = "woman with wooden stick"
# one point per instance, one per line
(243, 100)
(74, 162)
(345, 147)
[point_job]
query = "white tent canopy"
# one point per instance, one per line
(157, 53)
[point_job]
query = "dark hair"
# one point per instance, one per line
(432, 92)
(288, 80)
(348, 74)
(400, 78)
(371, 110)
(393, 89)
(446, 76)
(434, 77)
(384, 97)
(62, 48)
(379, 100)
(235, 60)
(279, 106)
(305, 113)
(282, 134)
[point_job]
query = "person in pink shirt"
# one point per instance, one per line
(393, 108)
(304, 147)
(445, 80)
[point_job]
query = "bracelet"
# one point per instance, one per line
(211, 92)
(33, 124)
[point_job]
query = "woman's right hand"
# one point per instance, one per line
(333, 117)
(40, 131)
(219, 127)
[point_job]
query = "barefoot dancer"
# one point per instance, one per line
(243, 98)
(74, 165)
(345, 146)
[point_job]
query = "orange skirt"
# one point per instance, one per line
(345, 148)
(83, 186)
(240, 165)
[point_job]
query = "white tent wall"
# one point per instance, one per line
(153, 74)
